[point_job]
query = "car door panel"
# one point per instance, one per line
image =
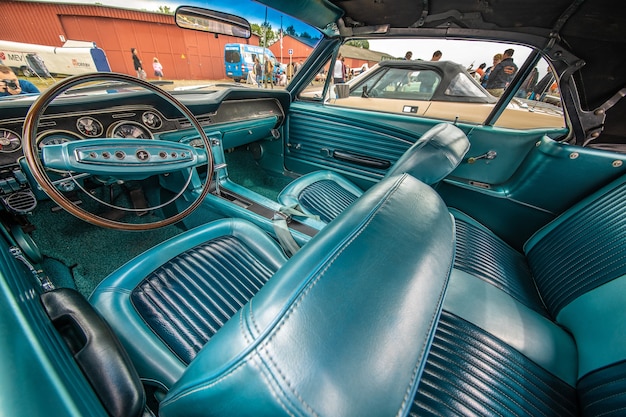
(564, 173)
(359, 144)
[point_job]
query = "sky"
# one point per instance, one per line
(252, 11)
(462, 52)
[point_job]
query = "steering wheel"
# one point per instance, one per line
(121, 158)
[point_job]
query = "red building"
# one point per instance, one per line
(184, 54)
(300, 49)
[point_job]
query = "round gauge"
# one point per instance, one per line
(130, 130)
(152, 120)
(89, 126)
(55, 138)
(9, 141)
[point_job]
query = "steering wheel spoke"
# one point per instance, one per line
(122, 158)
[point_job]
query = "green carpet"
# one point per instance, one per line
(89, 252)
(85, 254)
(245, 171)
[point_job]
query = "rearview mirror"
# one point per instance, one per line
(204, 20)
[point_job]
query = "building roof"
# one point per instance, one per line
(355, 52)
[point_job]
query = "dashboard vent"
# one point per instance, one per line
(21, 201)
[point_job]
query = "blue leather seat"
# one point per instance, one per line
(317, 338)
(326, 194)
(322, 336)
(167, 303)
(541, 332)
(377, 316)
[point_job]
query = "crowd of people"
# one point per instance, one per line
(496, 78)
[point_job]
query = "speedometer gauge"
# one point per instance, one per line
(129, 130)
(55, 137)
(89, 126)
(9, 141)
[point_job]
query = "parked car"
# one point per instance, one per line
(229, 250)
(440, 90)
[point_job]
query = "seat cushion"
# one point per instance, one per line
(470, 372)
(322, 193)
(481, 253)
(493, 355)
(186, 300)
(582, 249)
(166, 303)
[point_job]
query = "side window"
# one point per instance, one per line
(464, 85)
(537, 103)
(315, 89)
(398, 83)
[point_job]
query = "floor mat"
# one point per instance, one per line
(90, 252)
(245, 171)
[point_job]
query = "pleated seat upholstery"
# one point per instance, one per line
(536, 333)
(433, 157)
(189, 298)
(167, 303)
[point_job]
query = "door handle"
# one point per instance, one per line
(362, 160)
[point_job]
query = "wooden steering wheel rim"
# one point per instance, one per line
(31, 152)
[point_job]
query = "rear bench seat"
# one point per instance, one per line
(538, 333)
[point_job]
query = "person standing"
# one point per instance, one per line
(339, 71)
(436, 55)
(502, 74)
(10, 85)
(258, 71)
(297, 67)
(141, 73)
(480, 71)
(541, 88)
(529, 84)
(158, 68)
(269, 72)
(496, 60)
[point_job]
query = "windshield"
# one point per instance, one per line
(147, 44)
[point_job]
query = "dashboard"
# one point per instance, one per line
(137, 117)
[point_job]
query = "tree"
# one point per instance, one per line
(305, 35)
(165, 10)
(290, 30)
(362, 43)
(265, 33)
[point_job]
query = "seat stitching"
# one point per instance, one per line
(246, 335)
(314, 282)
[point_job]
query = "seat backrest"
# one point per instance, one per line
(322, 336)
(579, 265)
(435, 155)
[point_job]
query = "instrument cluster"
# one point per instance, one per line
(129, 122)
